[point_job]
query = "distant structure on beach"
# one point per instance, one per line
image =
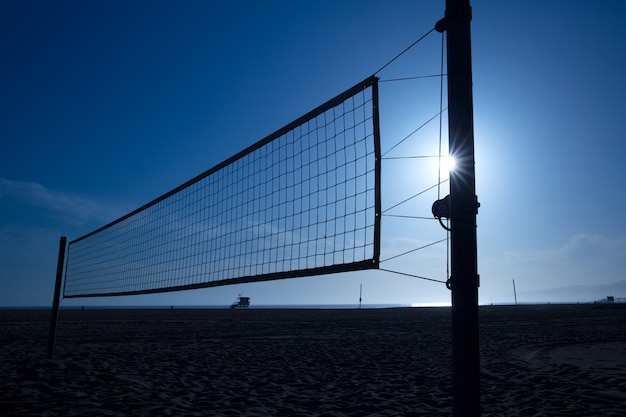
(611, 300)
(242, 302)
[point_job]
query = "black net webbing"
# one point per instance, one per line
(303, 201)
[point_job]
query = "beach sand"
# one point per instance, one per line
(535, 361)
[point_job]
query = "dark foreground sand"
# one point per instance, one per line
(535, 360)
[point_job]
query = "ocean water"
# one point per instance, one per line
(182, 307)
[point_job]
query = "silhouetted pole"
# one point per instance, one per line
(360, 295)
(57, 298)
(463, 209)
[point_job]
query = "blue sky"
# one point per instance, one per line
(107, 105)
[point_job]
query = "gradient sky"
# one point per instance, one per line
(107, 105)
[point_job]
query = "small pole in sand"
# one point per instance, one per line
(515, 293)
(360, 295)
(56, 298)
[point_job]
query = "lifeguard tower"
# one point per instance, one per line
(242, 302)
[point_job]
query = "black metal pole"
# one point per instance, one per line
(57, 297)
(463, 209)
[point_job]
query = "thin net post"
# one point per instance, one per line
(303, 201)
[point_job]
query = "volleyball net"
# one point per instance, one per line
(303, 201)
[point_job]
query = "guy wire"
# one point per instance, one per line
(406, 49)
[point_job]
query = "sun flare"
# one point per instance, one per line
(447, 163)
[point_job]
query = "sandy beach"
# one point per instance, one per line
(535, 361)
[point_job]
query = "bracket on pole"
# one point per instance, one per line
(442, 209)
(441, 25)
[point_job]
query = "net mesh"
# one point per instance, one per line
(303, 201)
